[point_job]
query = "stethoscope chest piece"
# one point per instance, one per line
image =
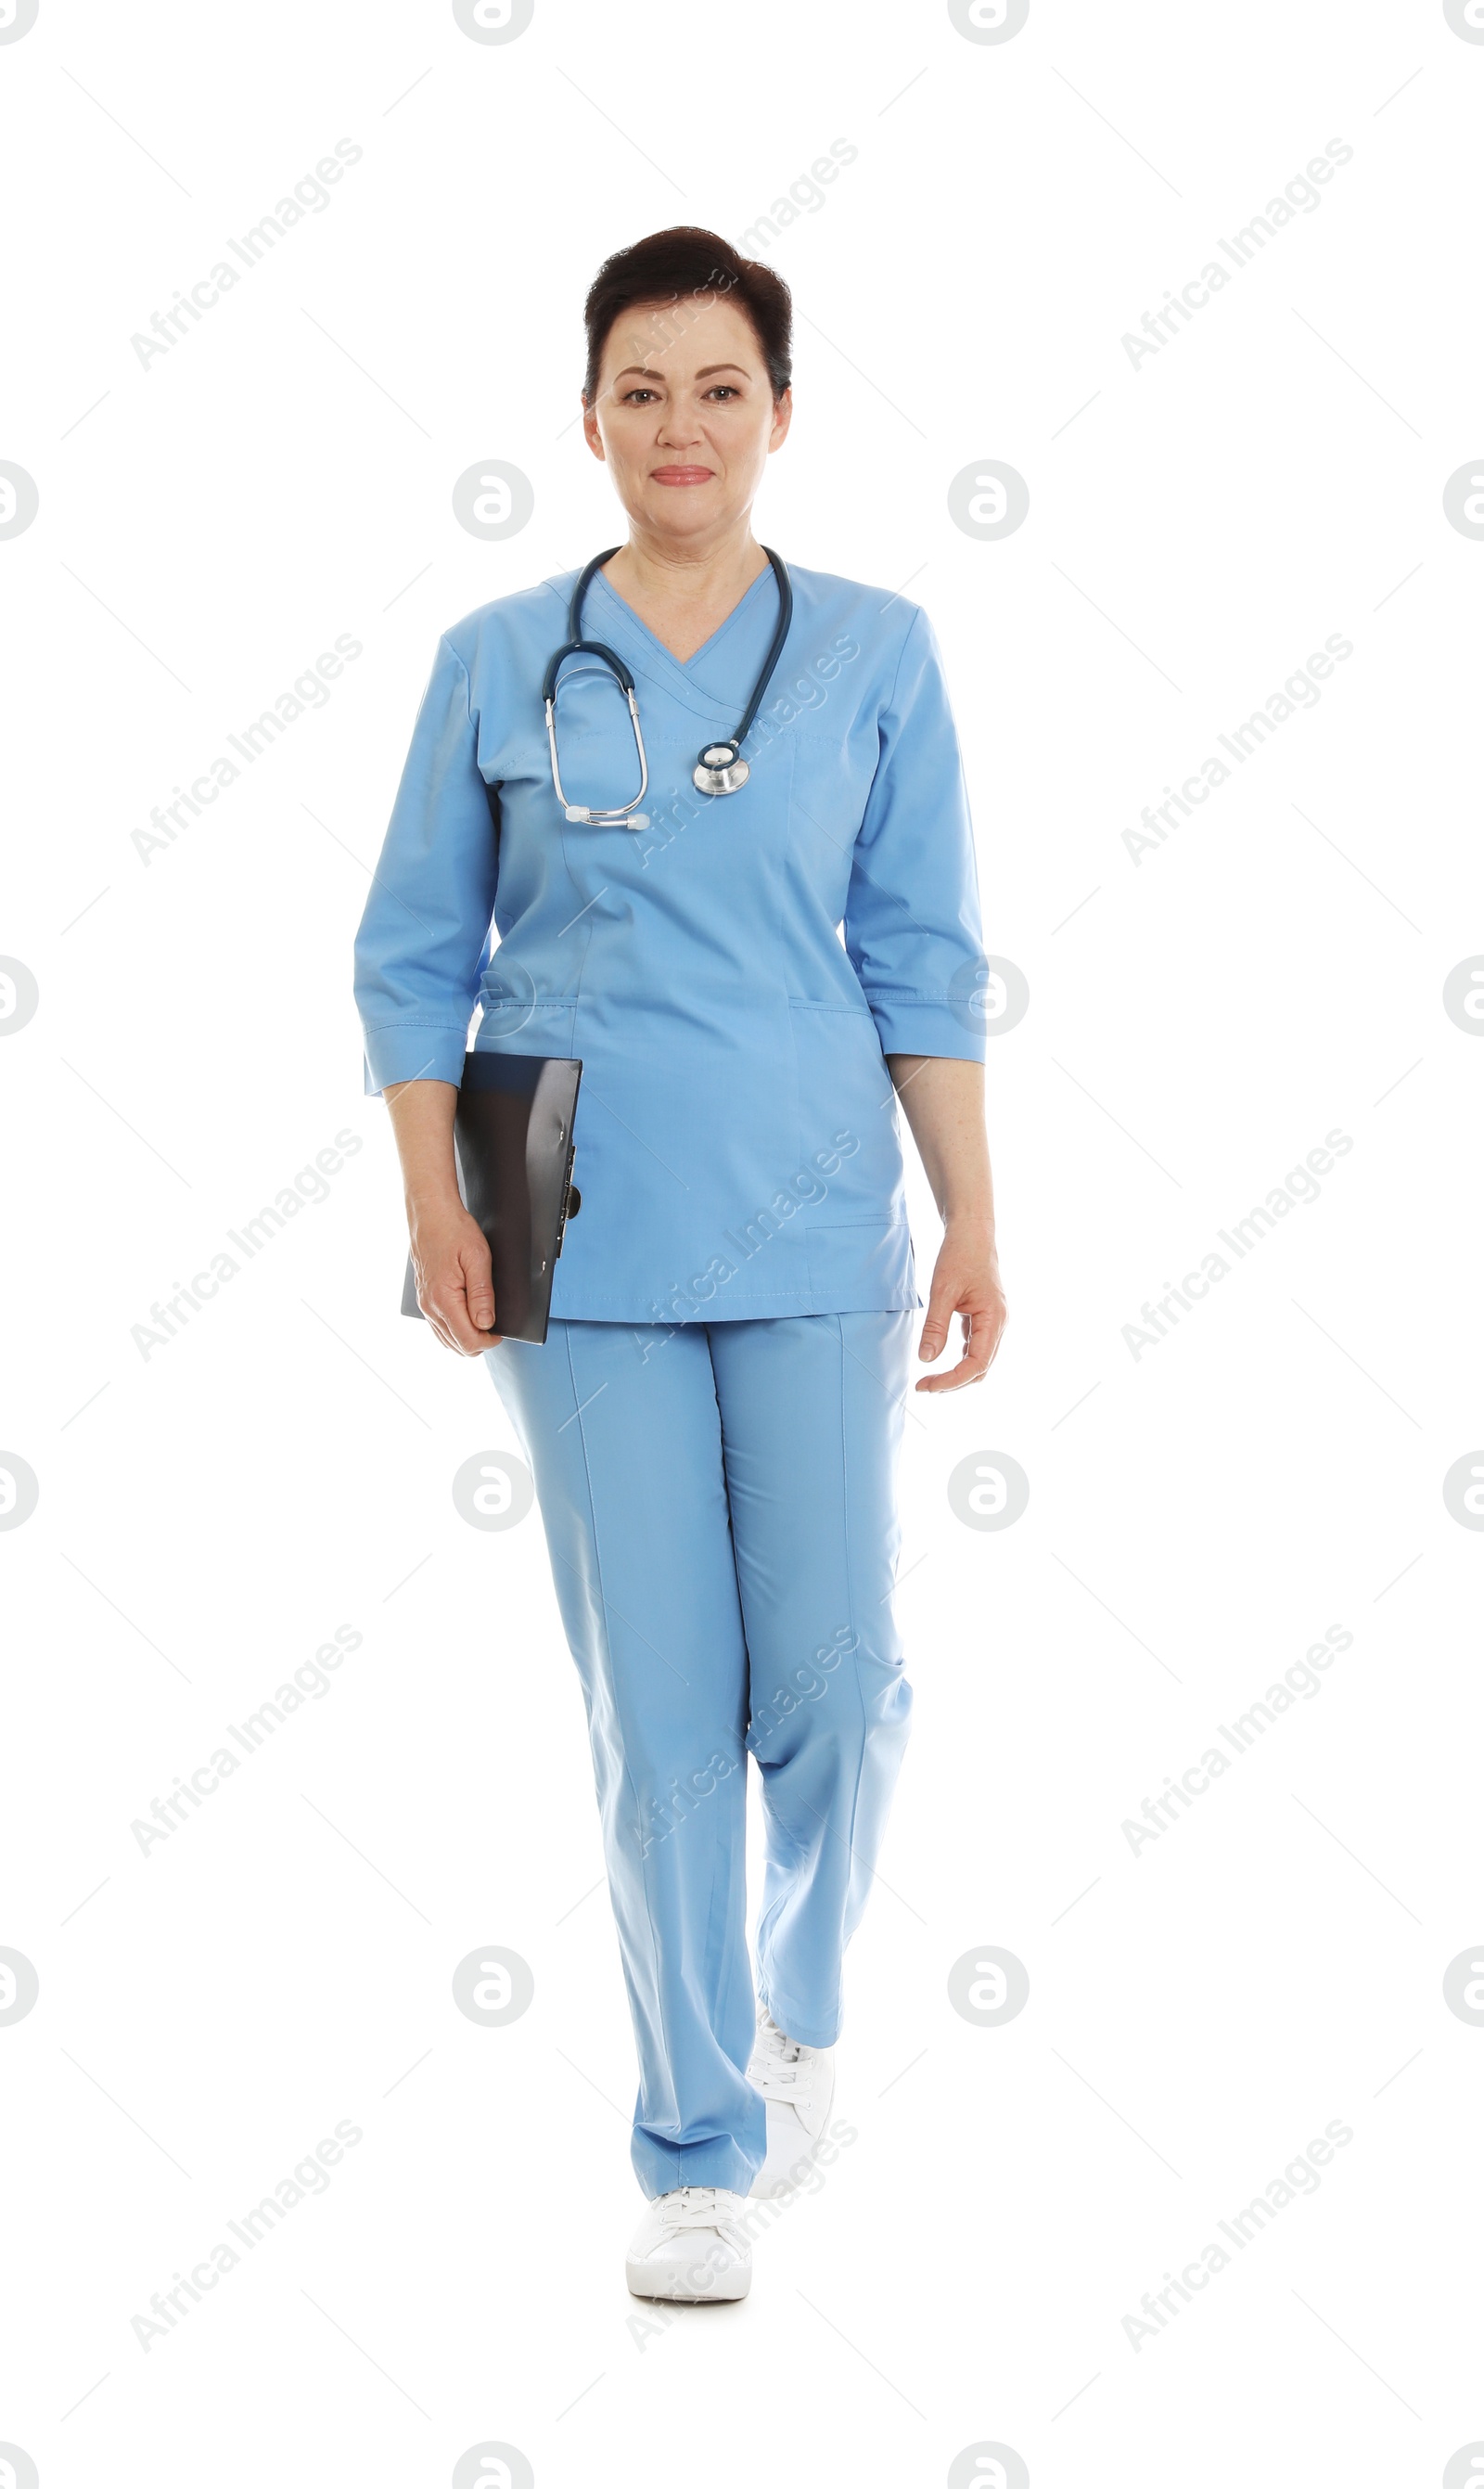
(720, 771)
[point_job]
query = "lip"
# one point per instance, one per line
(683, 476)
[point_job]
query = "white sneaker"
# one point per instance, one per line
(798, 2085)
(689, 2245)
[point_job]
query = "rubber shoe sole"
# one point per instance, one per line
(689, 2277)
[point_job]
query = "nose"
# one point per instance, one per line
(681, 428)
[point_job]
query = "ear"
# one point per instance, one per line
(590, 432)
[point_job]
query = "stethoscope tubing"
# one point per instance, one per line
(719, 769)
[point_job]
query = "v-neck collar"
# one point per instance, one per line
(654, 659)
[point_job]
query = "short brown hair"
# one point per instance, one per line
(688, 260)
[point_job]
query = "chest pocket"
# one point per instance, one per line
(596, 752)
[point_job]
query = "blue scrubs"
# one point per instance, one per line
(738, 1144)
(714, 1419)
(718, 1502)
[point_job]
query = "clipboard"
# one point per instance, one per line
(513, 1144)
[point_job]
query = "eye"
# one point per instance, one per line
(724, 389)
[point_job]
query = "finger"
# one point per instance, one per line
(480, 1286)
(954, 1379)
(447, 1306)
(982, 1337)
(436, 1323)
(965, 1371)
(424, 1292)
(935, 1323)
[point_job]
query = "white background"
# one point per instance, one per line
(1199, 1020)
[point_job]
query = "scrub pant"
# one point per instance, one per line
(719, 1506)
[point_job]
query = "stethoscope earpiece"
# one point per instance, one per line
(720, 769)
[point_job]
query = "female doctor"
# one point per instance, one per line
(713, 1420)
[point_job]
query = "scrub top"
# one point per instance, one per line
(730, 976)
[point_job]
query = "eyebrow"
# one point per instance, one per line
(642, 372)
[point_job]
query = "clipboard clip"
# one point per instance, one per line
(571, 1204)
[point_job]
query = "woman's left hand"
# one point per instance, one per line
(965, 1281)
(943, 1099)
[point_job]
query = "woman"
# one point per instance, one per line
(714, 1418)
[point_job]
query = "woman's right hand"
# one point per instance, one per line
(451, 1266)
(450, 1258)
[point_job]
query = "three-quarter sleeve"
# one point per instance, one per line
(423, 939)
(912, 916)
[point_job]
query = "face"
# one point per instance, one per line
(685, 416)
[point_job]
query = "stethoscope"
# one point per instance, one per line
(720, 769)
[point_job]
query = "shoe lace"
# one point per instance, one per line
(697, 2208)
(782, 2062)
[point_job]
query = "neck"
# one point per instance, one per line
(696, 572)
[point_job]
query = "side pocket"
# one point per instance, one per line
(847, 1120)
(868, 1263)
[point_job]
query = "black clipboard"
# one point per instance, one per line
(513, 1140)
